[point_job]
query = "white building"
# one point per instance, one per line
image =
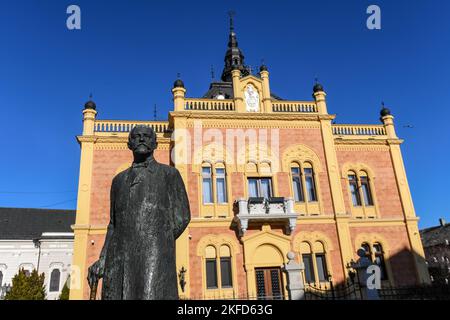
(36, 239)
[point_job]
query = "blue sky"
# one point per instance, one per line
(128, 54)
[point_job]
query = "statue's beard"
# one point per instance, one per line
(142, 149)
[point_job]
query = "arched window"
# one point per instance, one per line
(353, 184)
(309, 182)
(214, 184)
(367, 249)
(55, 277)
(303, 182)
(375, 254)
(321, 263)
(225, 267)
(379, 260)
(360, 190)
(221, 185)
(315, 261)
(306, 252)
(297, 183)
(218, 267)
(211, 267)
(207, 184)
(365, 189)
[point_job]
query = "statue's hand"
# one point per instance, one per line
(95, 272)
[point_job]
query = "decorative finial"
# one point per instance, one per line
(154, 112)
(263, 66)
(317, 86)
(384, 111)
(178, 75)
(90, 104)
(231, 14)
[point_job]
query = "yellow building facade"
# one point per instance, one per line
(265, 177)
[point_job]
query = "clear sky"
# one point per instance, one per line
(128, 54)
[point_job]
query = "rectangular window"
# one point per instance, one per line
(211, 274)
(297, 184)
(260, 187)
(266, 187)
(309, 268)
(207, 185)
(379, 260)
(55, 277)
(221, 186)
(365, 187)
(310, 185)
(252, 187)
(225, 272)
(354, 190)
(321, 267)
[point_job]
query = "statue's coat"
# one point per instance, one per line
(149, 211)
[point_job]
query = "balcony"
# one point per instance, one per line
(266, 210)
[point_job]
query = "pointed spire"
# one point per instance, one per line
(231, 13)
(234, 59)
(212, 73)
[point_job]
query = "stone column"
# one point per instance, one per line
(296, 286)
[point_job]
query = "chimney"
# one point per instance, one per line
(442, 222)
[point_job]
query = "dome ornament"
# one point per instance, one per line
(90, 104)
(384, 111)
(317, 86)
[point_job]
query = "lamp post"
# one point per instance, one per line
(37, 244)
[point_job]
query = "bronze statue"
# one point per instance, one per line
(149, 211)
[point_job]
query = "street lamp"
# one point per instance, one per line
(37, 244)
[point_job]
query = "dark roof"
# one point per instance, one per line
(28, 224)
(435, 235)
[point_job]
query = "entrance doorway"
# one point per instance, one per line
(269, 283)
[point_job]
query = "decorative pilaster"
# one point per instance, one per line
(238, 98)
(266, 98)
(79, 267)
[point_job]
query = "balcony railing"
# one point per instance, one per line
(294, 106)
(359, 130)
(127, 126)
(209, 104)
(266, 210)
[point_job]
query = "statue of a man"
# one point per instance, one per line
(149, 211)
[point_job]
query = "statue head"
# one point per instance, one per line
(142, 140)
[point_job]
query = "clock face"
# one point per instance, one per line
(251, 98)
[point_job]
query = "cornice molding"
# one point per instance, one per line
(365, 147)
(233, 115)
(115, 139)
(343, 141)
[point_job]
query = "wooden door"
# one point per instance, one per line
(269, 283)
